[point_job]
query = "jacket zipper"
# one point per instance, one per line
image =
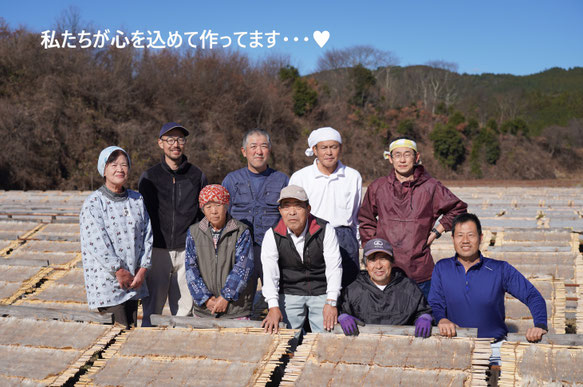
(252, 209)
(217, 274)
(173, 210)
(217, 267)
(308, 284)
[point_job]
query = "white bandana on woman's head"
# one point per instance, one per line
(322, 134)
(104, 155)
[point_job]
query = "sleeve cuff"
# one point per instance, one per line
(202, 301)
(542, 326)
(332, 295)
(227, 296)
(273, 303)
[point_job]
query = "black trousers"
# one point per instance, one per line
(125, 314)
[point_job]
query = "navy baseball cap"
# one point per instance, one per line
(172, 125)
(377, 245)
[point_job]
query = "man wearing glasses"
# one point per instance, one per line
(403, 208)
(170, 190)
(302, 267)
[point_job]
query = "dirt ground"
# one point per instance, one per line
(575, 182)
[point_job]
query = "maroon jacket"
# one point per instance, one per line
(406, 214)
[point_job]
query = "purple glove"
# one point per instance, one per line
(423, 326)
(349, 324)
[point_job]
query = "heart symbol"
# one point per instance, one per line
(321, 37)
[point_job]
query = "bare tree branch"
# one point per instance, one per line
(368, 56)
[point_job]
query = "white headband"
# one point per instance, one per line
(322, 134)
(403, 143)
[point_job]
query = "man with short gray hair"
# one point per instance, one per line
(255, 190)
(302, 267)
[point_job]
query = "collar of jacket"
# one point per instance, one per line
(475, 266)
(181, 168)
(268, 171)
(397, 275)
(230, 225)
(313, 226)
(420, 175)
(113, 196)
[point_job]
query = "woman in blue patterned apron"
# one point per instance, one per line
(116, 241)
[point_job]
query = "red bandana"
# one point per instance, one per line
(213, 193)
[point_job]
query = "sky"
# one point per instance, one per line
(511, 36)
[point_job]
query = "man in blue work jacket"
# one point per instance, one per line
(254, 193)
(468, 290)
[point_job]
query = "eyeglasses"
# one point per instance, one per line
(405, 155)
(172, 140)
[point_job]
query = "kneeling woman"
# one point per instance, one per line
(219, 259)
(116, 241)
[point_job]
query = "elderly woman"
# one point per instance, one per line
(116, 241)
(219, 259)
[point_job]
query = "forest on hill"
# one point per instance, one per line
(60, 107)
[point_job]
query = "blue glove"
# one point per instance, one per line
(349, 324)
(423, 326)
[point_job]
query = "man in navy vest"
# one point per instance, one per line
(254, 193)
(302, 267)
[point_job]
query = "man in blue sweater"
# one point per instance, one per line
(468, 289)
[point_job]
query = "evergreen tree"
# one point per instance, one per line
(448, 145)
(305, 98)
(362, 79)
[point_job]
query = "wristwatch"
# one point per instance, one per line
(331, 303)
(437, 233)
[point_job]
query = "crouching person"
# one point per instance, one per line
(219, 259)
(383, 295)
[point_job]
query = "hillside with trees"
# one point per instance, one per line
(60, 107)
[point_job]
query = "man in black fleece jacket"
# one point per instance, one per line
(170, 190)
(383, 295)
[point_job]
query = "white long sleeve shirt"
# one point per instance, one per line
(270, 257)
(335, 198)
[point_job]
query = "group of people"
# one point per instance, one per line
(203, 248)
